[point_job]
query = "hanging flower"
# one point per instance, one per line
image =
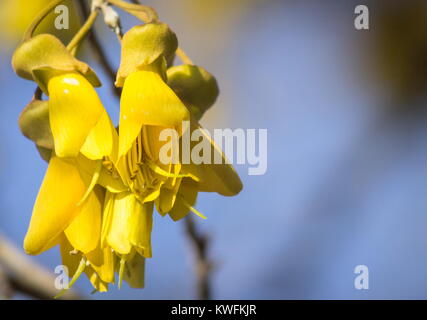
(100, 189)
(74, 125)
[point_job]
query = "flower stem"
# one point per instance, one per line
(83, 30)
(97, 49)
(183, 56)
(145, 13)
(39, 18)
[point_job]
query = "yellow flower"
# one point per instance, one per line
(65, 213)
(127, 224)
(81, 128)
(99, 264)
(56, 207)
(78, 119)
(126, 229)
(99, 192)
(74, 124)
(147, 107)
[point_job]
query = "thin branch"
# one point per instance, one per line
(6, 291)
(200, 246)
(80, 35)
(98, 51)
(38, 93)
(25, 276)
(183, 56)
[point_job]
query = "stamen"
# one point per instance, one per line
(93, 182)
(154, 167)
(130, 173)
(140, 179)
(129, 163)
(107, 217)
(79, 271)
(134, 152)
(121, 272)
(191, 208)
(140, 149)
(146, 175)
(108, 164)
(146, 143)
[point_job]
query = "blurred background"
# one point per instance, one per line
(346, 113)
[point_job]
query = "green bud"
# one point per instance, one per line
(196, 87)
(34, 124)
(44, 153)
(143, 46)
(44, 56)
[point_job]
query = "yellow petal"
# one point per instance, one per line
(120, 227)
(221, 178)
(151, 141)
(84, 231)
(74, 109)
(134, 273)
(187, 196)
(141, 222)
(147, 100)
(102, 139)
(76, 263)
(95, 280)
(103, 261)
(108, 179)
(152, 195)
(167, 197)
(107, 217)
(55, 206)
(70, 258)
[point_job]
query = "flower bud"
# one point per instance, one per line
(44, 153)
(44, 56)
(144, 45)
(34, 124)
(196, 87)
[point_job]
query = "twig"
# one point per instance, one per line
(97, 49)
(38, 93)
(23, 275)
(183, 56)
(203, 264)
(6, 290)
(80, 35)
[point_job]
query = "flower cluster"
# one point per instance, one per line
(102, 184)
